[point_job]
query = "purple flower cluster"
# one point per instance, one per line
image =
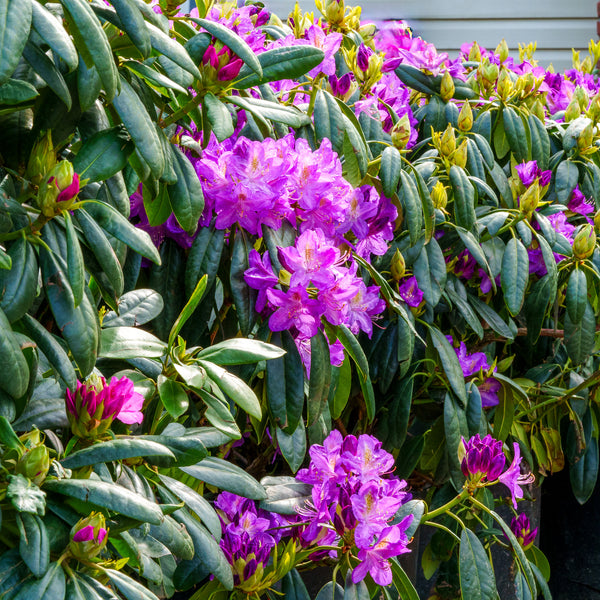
(320, 285)
(353, 505)
(483, 462)
(521, 527)
(475, 363)
(250, 535)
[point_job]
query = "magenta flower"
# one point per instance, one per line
(94, 405)
(512, 477)
(86, 534)
(410, 292)
(340, 87)
(521, 527)
(260, 276)
(69, 192)
(578, 203)
(294, 309)
(362, 57)
(529, 171)
(483, 458)
(488, 390)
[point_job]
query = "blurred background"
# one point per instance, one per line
(556, 25)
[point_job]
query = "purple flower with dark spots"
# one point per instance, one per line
(521, 527)
(410, 292)
(512, 477)
(483, 458)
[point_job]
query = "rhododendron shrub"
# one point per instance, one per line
(276, 291)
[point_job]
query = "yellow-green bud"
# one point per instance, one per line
(528, 82)
(448, 144)
(334, 11)
(597, 221)
(582, 97)
(502, 50)
(34, 464)
(586, 137)
(459, 158)
(594, 109)
(538, 110)
(439, 196)
(88, 537)
(530, 199)
(586, 65)
(505, 85)
(41, 159)
(447, 87)
(490, 73)
(401, 132)
(59, 189)
(584, 242)
(475, 53)
(367, 31)
(398, 266)
(465, 117)
(573, 111)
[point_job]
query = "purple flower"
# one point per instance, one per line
(410, 292)
(578, 203)
(512, 477)
(363, 307)
(362, 57)
(87, 534)
(482, 458)
(521, 527)
(260, 276)
(529, 171)
(340, 87)
(294, 309)
(368, 459)
(488, 391)
(469, 363)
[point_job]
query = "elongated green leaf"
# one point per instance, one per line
(88, 85)
(130, 588)
(81, 588)
(15, 380)
(329, 120)
(135, 308)
(391, 165)
(464, 198)
(34, 545)
(576, 296)
(514, 275)
(75, 264)
(450, 363)
(234, 387)
(517, 134)
(293, 586)
(416, 79)
(289, 62)
(233, 41)
(134, 25)
(430, 271)
(320, 377)
(19, 284)
(118, 226)
(92, 43)
(173, 396)
(244, 297)
(15, 21)
(504, 415)
(117, 449)
(579, 337)
(567, 176)
(111, 496)
(186, 195)
(129, 342)
(50, 29)
(188, 309)
(477, 580)
(104, 154)
(355, 591)
(240, 351)
(15, 91)
(226, 476)
(48, 72)
(493, 319)
(402, 582)
(455, 428)
(331, 591)
(540, 142)
(265, 109)
(293, 446)
(135, 117)
(51, 586)
(218, 116)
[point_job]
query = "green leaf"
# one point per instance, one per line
(15, 91)
(51, 587)
(130, 342)
(102, 249)
(130, 588)
(244, 297)
(110, 496)
(477, 580)
(75, 264)
(342, 390)
(135, 308)
(265, 109)
(135, 117)
(293, 446)
(119, 227)
(293, 586)
(320, 377)
(15, 379)
(430, 271)
(196, 503)
(188, 309)
(504, 415)
(491, 317)
(566, 178)
(240, 351)
(88, 85)
(389, 172)
(79, 588)
(234, 387)
(134, 25)
(355, 591)
(153, 78)
(47, 71)
(233, 41)
(402, 583)
(19, 284)
(289, 62)
(540, 142)
(456, 428)
(331, 591)
(92, 43)
(576, 296)
(173, 396)
(514, 275)
(517, 134)
(15, 22)
(34, 546)
(411, 203)
(25, 496)
(450, 363)
(464, 198)
(329, 120)
(50, 29)
(52, 349)
(226, 476)
(117, 449)
(580, 337)
(218, 116)
(416, 79)
(104, 154)
(186, 195)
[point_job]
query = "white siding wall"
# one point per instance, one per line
(556, 25)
